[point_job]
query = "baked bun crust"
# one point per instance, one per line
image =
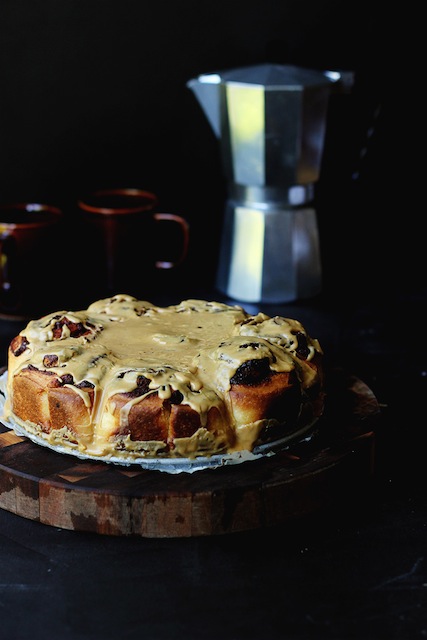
(129, 379)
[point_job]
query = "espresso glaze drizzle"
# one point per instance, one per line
(193, 348)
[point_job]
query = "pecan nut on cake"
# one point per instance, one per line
(128, 379)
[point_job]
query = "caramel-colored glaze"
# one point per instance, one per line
(193, 348)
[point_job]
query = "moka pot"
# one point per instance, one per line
(270, 121)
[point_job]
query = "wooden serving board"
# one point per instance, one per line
(63, 491)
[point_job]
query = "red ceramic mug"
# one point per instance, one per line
(129, 240)
(29, 250)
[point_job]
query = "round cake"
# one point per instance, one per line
(125, 379)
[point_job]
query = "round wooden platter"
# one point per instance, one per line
(63, 491)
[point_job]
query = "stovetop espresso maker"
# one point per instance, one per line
(270, 121)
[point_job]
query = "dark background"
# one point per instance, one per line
(93, 94)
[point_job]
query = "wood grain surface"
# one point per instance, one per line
(66, 492)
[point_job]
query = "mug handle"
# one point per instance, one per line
(10, 299)
(183, 224)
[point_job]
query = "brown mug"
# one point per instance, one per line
(29, 251)
(129, 242)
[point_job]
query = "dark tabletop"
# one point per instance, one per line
(356, 569)
(95, 96)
